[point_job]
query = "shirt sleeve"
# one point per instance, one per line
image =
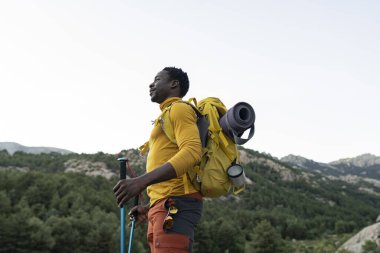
(186, 133)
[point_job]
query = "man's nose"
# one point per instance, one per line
(151, 85)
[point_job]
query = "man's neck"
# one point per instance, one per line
(168, 102)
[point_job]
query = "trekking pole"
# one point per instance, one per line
(123, 175)
(133, 219)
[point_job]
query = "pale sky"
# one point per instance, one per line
(75, 74)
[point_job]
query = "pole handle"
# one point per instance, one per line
(123, 167)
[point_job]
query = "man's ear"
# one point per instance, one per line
(174, 84)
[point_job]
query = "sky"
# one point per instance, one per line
(75, 74)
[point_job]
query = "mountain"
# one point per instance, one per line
(300, 203)
(365, 166)
(310, 165)
(12, 147)
(362, 161)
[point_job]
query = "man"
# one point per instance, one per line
(175, 205)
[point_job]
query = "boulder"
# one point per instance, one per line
(370, 233)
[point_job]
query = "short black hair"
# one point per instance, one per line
(181, 76)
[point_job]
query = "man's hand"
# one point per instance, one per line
(126, 189)
(140, 213)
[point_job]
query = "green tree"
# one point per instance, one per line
(5, 203)
(295, 229)
(65, 236)
(325, 247)
(266, 239)
(203, 237)
(370, 247)
(344, 226)
(41, 239)
(14, 234)
(229, 237)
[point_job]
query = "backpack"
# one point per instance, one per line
(219, 151)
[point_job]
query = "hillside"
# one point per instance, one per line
(299, 204)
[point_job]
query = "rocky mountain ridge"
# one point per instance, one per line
(364, 160)
(366, 166)
(12, 147)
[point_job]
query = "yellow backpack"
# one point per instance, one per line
(219, 152)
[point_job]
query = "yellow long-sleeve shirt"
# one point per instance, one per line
(183, 155)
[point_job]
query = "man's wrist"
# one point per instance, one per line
(160, 174)
(144, 181)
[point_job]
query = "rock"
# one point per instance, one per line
(245, 158)
(88, 168)
(370, 233)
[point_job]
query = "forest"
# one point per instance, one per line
(45, 209)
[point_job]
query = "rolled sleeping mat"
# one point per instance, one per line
(237, 120)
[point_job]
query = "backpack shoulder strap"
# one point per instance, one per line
(167, 126)
(165, 123)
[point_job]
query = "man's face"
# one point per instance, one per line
(160, 88)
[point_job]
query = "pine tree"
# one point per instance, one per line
(266, 239)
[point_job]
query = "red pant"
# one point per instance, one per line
(161, 241)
